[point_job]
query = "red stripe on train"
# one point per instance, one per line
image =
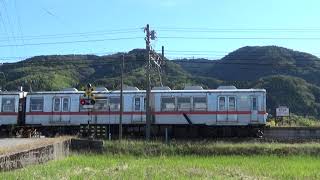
(83, 113)
(8, 114)
(142, 113)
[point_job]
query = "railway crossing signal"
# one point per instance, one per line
(89, 98)
(88, 91)
(87, 102)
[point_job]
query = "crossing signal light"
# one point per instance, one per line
(87, 102)
(82, 101)
(92, 101)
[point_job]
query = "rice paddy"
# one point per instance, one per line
(183, 160)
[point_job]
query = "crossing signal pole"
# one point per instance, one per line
(121, 99)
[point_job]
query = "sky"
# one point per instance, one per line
(186, 28)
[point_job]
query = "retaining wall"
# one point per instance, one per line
(292, 132)
(38, 155)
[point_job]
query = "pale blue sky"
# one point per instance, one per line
(42, 27)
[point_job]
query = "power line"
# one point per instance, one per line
(207, 54)
(170, 52)
(240, 38)
(166, 37)
(195, 51)
(110, 31)
(73, 35)
(190, 29)
(71, 42)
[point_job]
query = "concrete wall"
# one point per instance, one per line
(86, 145)
(290, 133)
(35, 156)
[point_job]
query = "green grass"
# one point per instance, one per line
(184, 160)
(173, 167)
(209, 148)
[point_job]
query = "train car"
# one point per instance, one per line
(11, 109)
(49, 111)
(225, 108)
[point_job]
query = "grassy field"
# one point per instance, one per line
(209, 148)
(173, 167)
(132, 159)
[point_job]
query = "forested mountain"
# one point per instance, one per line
(291, 78)
(252, 63)
(57, 72)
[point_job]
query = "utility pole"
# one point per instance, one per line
(121, 99)
(148, 108)
(157, 60)
(162, 53)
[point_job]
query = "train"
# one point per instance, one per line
(192, 111)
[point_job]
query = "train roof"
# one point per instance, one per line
(195, 91)
(153, 91)
(13, 93)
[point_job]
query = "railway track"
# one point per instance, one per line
(271, 134)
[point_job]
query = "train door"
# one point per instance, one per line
(65, 109)
(61, 107)
(56, 115)
(222, 115)
(232, 107)
(254, 108)
(138, 114)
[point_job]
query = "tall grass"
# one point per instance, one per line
(205, 148)
(173, 167)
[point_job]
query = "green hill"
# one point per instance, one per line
(252, 63)
(301, 97)
(290, 77)
(57, 72)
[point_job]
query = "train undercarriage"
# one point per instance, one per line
(111, 131)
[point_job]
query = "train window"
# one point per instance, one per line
(254, 104)
(184, 103)
(114, 103)
(65, 104)
(232, 104)
(101, 105)
(8, 104)
(222, 103)
(56, 104)
(36, 104)
(137, 104)
(199, 103)
(168, 104)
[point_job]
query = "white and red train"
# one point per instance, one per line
(225, 110)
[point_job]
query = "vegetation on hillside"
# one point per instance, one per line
(290, 77)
